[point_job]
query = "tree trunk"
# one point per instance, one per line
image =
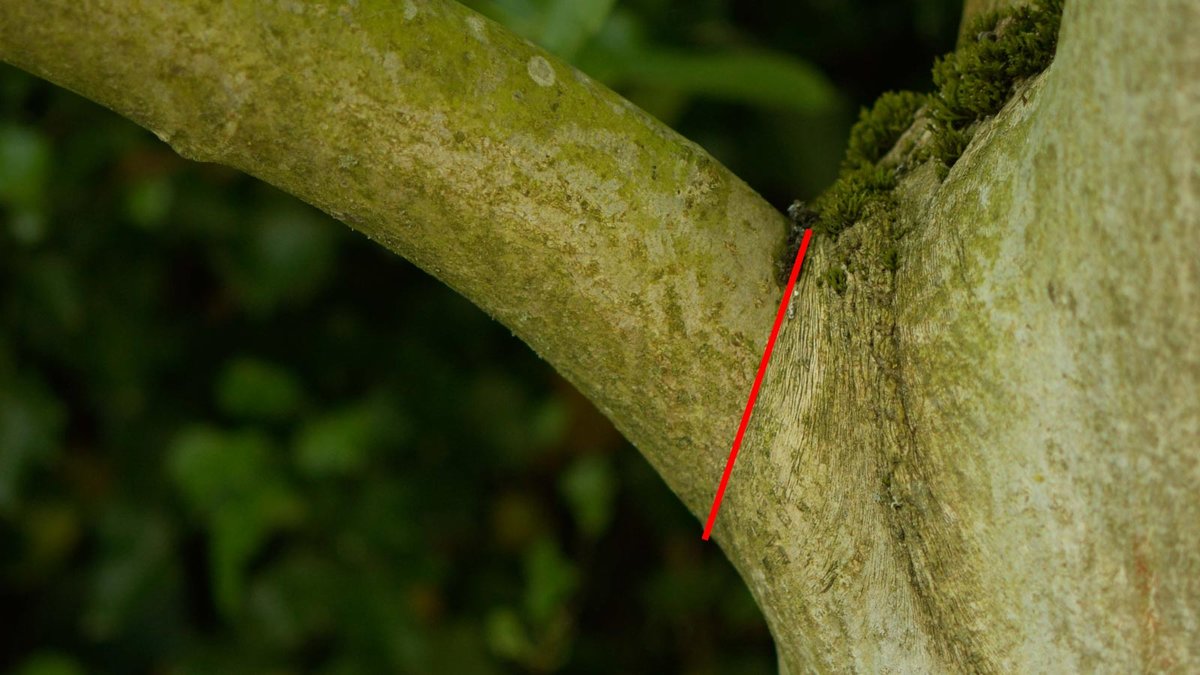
(985, 460)
(989, 461)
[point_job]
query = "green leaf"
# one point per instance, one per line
(506, 635)
(234, 536)
(27, 225)
(213, 468)
(295, 599)
(517, 518)
(133, 576)
(230, 480)
(50, 664)
(760, 78)
(56, 287)
(24, 173)
(548, 423)
(590, 488)
(148, 201)
(550, 581)
(567, 25)
(338, 443)
(252, 389)
(285, 257)
(31, 426)
(24, 166)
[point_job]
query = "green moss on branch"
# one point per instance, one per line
(879, 127)
(971, 84)
(975, 81)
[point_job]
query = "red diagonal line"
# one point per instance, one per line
(762, 370)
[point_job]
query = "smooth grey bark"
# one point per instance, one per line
(985, 461)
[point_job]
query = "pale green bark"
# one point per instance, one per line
(985, 462)
(990, 462)
(621, 252)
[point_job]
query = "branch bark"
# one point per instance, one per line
(621, 252)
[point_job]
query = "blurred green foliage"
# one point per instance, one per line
(237, 437)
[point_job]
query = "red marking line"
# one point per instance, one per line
(762, 370)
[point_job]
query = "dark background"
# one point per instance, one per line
(236, 437)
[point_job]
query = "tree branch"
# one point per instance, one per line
(619, 251)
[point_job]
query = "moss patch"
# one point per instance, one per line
(971, 84)
(975, 81)
(880, 126)
(851, 198)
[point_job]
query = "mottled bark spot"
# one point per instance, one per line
(478, 28)
(541, 71)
